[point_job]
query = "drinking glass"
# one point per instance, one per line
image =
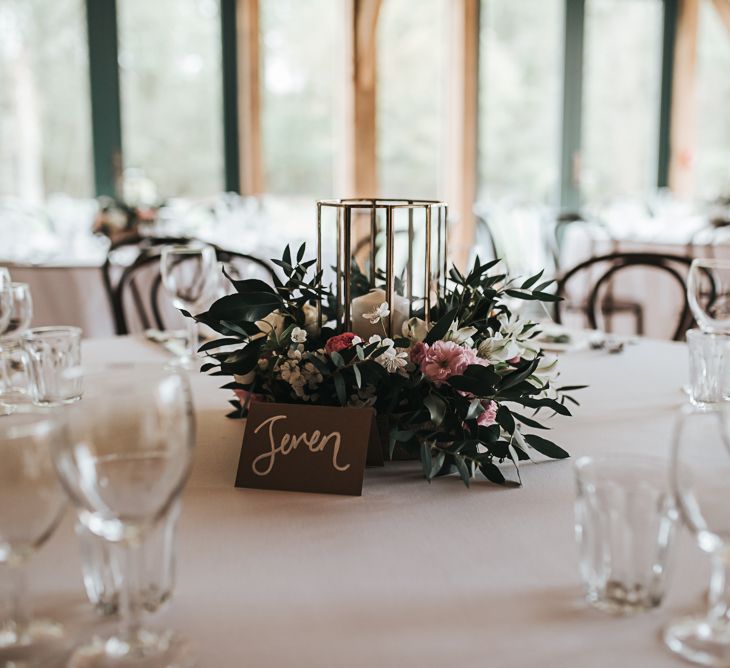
(624, 525)
(701, 484)
(708, 292)
(709, 367)
(125, 461)
(31, 505)
(13, 359)
(5, 299)
(188, 274)
(102, 574)
(52, 352)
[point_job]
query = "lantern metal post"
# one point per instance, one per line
(319, 260)
(347, 260)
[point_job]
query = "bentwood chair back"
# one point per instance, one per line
(137, 297)
(601, 271)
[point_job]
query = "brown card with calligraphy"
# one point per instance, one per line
(308, 448)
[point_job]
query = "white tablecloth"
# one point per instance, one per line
(411, 573)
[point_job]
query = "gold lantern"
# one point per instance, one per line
(392, 250)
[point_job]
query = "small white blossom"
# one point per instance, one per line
(298, 335)
(377, 314)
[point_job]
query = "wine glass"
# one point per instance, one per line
(708, 292)
(701, 485)
(5, 299)
(31, 505)
(13, 359)
(124, 463)
(188, 272)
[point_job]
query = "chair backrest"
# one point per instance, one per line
(136, 296)
(608, 266)
(122, 255)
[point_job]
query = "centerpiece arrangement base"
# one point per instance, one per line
(147, 649)
(698, 640)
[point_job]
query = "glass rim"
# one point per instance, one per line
(584, 462)
(697, 332)
(189, 248)
(52, 329)
(711, 262)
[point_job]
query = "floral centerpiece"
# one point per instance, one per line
(462, 393)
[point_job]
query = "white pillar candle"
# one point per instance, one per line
(367, 304)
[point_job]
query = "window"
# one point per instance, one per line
(45, 141)
(712, 161)
(171, 96)
(520, 72)
(411, 98)
(621, 89)
(302, 80)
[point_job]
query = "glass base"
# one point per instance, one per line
(698, 640)
(14, 398)
(38, 632)
(617, 599)
(150, 649)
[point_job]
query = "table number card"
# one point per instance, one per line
(308, 448)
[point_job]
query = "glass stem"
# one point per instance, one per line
(130, 599)
(719, 593)
(192, 338)
(20, 613)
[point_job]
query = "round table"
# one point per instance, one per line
(411, 573)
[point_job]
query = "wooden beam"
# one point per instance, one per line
(460, 176)
(359, 173)
(684, 102)
(723, 11)
(249, 97)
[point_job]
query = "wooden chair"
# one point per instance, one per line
(676, 266)
(142, 277)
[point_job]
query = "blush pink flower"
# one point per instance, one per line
(418, 352)
(489, 416)
(445, 359)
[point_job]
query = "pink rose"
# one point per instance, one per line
(336, 344)
(418, 352)
(445, 359)
(489, 416)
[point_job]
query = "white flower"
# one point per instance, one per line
(415, 329)
(298, 335)
(311, 319)
(497, 348)
(271, 324)
(461, 335)
(377, 314)
(392, 360)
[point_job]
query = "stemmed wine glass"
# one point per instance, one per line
(31, 505)
(701, 484)
(12, 355)
(124, 463)
(188, 272)
(708, 292)
(4, 298)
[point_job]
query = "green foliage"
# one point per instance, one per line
(465, 423)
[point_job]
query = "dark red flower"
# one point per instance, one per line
(340, 342)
